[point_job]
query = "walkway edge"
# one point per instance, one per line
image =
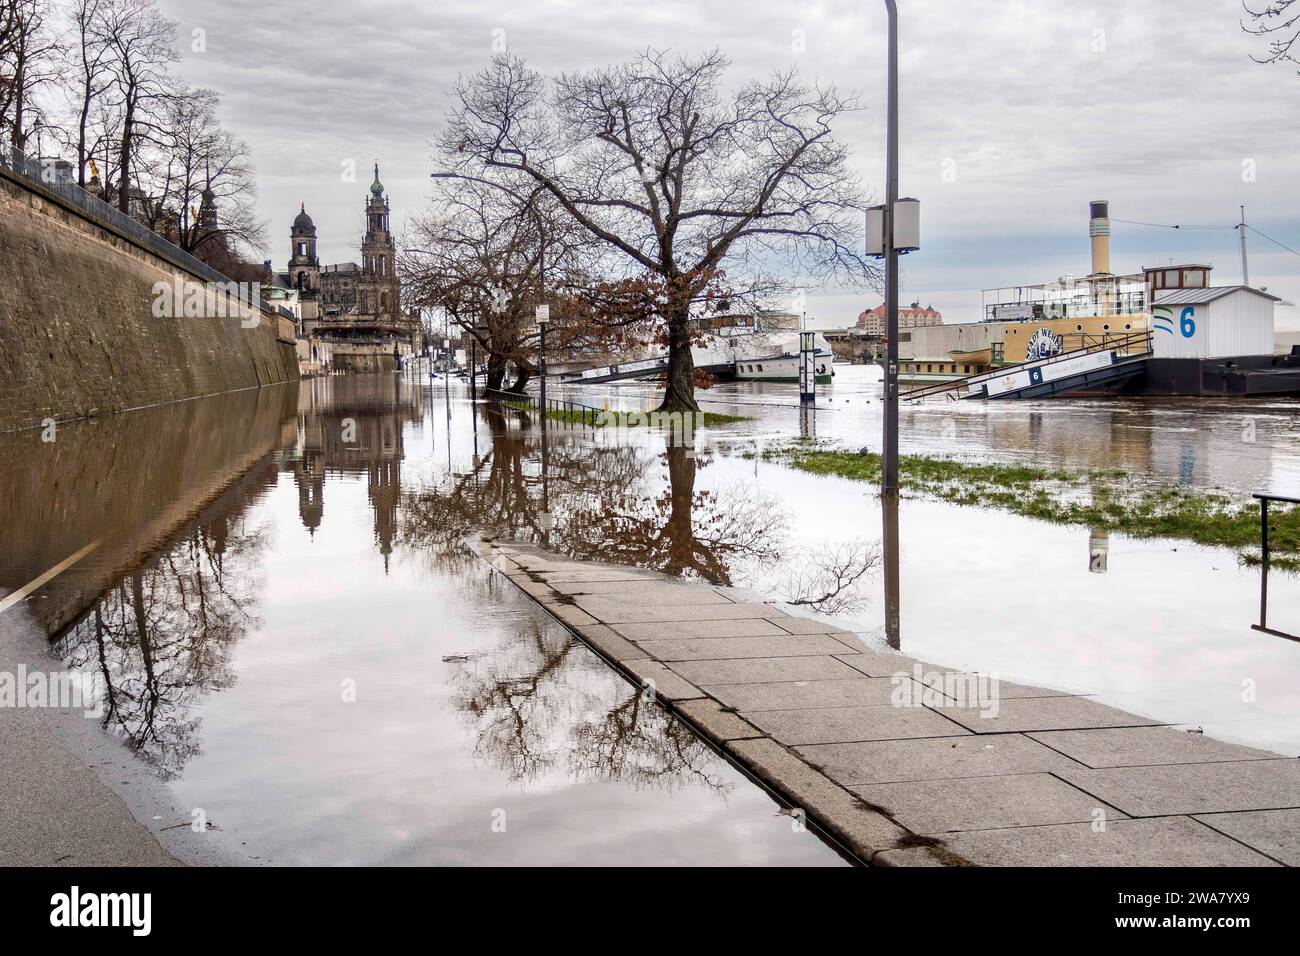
(868, 834)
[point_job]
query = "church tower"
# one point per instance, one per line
(208, 212)
(304, 267)
(377, 289)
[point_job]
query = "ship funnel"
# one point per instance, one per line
(1099, 230)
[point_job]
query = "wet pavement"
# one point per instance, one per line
(910, 763)
(300, 644)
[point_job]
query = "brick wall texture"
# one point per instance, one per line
(78, 336)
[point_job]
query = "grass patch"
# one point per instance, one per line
(1109, 499)
(602, 419)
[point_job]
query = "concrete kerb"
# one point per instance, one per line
(863, 833)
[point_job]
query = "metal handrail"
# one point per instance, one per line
(44, 177)
(1264, 498)
(1124, 341)
(586, 412)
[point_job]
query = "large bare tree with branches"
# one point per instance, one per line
(29, 53)
(488, 256)
(684, 180)
(197, 161)
(87, 53)
(142, 45)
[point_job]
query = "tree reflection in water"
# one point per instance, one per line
(161, 639)
(537, 705)
(627, 504)
(533, 703)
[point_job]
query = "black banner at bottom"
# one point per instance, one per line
(236, 905)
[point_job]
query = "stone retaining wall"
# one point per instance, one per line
(78, 336)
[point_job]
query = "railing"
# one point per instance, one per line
(44, 177)
(1128, 343)
(1264, 498)
(568, 412)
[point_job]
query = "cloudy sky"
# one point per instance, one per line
(1014, 116)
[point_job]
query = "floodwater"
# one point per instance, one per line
(1161, 627)
(299, 642)
(296, 640)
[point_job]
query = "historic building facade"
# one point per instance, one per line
(354, 309)
(872, 321)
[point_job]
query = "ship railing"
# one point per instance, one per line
(1128, 344)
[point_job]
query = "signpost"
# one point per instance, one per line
(807, 367)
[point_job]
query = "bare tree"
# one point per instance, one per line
(1280, 23)
(478, 254)
(489, 256)
(683, 181)
(143, 44)
(28, 62)
(88, 54)
(200, 165)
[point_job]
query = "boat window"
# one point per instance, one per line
(760, 368)
(1079, 327)
(1106, 327)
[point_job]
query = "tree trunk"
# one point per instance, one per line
(679, 392)
(19, 82)
(83, 120)
(496, 372)
(124, 160)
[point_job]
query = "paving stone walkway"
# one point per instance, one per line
(905, 772)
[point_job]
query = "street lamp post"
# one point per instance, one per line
(893, 229)
(889, 462)
(543, 319)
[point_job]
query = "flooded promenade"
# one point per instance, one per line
(298, 642)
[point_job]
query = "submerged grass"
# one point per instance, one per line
(1109, 499)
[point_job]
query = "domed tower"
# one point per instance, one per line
(304, 267)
